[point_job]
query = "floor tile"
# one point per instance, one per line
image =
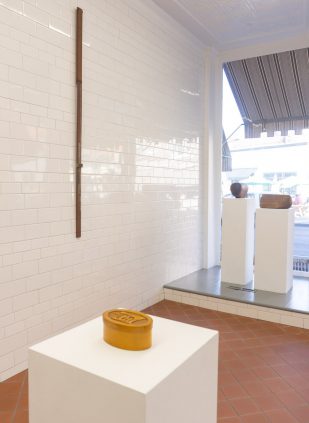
(230, 420)
(234, 390)
(245, 375)
(244, 406)
(300, 413)
(8, 402)
(268, 402)
(281, 416)
(277, 385)
(21, 416)
(255, 388)
(225, 409)
(5, 417)
(255, 418)
(265, 372)
(291, 399)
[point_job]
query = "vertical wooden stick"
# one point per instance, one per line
(79, 81)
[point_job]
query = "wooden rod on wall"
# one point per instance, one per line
(79, 84)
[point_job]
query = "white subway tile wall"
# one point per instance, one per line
(142, 128)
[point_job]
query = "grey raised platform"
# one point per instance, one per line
(208, 283)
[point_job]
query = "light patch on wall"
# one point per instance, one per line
(195, 94)
(59, 30)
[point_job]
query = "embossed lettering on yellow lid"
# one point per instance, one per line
(127, 329)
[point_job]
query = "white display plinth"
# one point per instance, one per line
(237, 240)
(274, 250)
(76, 377)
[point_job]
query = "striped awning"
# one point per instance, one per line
(272, 92)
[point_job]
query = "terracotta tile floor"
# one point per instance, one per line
(263, 369)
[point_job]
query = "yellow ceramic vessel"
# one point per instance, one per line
(127, 329)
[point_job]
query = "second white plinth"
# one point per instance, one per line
(237, 240)
(274, 250)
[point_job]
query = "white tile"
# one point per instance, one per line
(50, 263)
(24, 132)
(20, 77)
(11, 202)
(10, 259)
(25, 300)
(5, 218)
(4, 162)
(48, 85)
(13, 342)
(208, 304)
(38, 281)
(37, 230)
(228, 308)
(11, 58)
(50, 293)
(4, 72)
(51, 7)
(14, 5)
(247, 312)
(31, 188)
(35, 97)
(36, 201)
(4, 127)
(24, 217)
(6, 320)
(292, 321)
(36, 14)
(270, 317)
(10, 188)
(6, 361)
(35, 66)
(39, 332)
(9, 116)
(21, 355)
(11, 91)
(6, 307)
(14, 328)
(25, 269)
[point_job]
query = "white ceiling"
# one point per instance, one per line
(233, 23)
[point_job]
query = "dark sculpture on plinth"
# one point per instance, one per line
(275, 201)
(239, 190)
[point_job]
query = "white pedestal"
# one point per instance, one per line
(76, 377)
(274, 250)
(237, 240)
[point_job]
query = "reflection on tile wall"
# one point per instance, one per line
(142, 131)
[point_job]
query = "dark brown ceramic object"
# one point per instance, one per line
(239, 190)
(275, 201)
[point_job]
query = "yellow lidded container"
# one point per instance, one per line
(127, 329)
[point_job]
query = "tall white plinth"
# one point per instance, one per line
(237, 240)
(274, 250)
(76, 377)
